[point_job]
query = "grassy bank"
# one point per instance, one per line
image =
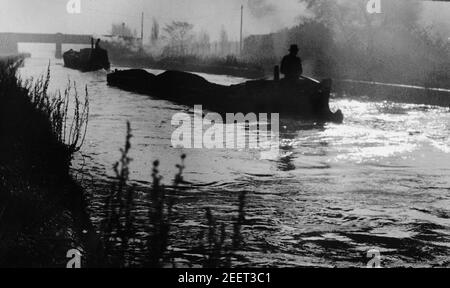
(41, 206)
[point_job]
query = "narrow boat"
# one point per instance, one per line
(306, 98)
(87, 60)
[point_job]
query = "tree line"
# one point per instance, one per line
(178, 38)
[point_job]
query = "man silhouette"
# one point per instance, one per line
(97, 44)
(291, 65)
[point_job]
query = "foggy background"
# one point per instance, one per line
(98, 15)
(407, 43)
(260, 16)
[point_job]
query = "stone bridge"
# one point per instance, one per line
(9, 41)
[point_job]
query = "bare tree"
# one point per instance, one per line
(179, 35)
(351, 22)
(347, 14)
(224, 42)
(204, 42)
(154, 36)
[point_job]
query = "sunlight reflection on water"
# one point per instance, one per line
(381, 179)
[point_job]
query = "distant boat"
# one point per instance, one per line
(305, 98)
(87, 60)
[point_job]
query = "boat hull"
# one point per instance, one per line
(87, 60)
(306, 98)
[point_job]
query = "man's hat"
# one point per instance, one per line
(293, 48)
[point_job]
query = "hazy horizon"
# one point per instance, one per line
(97, 16)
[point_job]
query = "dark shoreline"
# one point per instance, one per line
(392, 92)
(235, 71)
(45, 212)
(42, 208)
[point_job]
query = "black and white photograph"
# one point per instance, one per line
(231, 135)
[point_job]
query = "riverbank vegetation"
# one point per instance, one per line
(394, 46)
(138, 223)
(43, 211)
(37, 195)
(121, 54)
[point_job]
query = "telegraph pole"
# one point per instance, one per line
(242, 24)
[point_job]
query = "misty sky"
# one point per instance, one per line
(261, 16)
(97, 15)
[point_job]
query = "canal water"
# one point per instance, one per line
(380, 180)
